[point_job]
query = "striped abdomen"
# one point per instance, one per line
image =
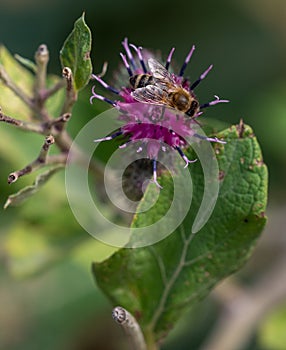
(141, 80)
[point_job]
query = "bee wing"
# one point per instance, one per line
(160, 72)
(149, 94)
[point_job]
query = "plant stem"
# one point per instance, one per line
(42, 59)
(151, 343)
(71, 94)
(40, 161)
(131, 327)
(49, 92)
(27, 126)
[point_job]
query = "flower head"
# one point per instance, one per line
(157, 107)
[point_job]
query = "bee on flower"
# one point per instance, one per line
(156, 104)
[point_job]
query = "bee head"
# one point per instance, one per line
(132, 80)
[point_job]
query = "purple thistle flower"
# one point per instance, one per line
(150, 103)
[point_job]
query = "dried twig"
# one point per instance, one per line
(41, 59)
(71, 94)
(40, 161)
(27, 126)
(43, 123)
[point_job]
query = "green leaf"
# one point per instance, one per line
(25, 193)
(75, 53)
(43, 232)
(30, 249)
(10, 103)
(158, 283)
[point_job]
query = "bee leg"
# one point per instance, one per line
(105, 85)
(139, 54)
(169, 58)
(102, 98)
(111, 137)
(155, 174)
(202, 76)
(187, 60)
(211, 139)
(214, 102)
(186, 159)
(126, 64)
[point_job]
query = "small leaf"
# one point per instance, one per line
(75, 53)
(26, 63)
(25, 193)
(32, 248)
(158, 283)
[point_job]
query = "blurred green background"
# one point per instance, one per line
(48, 299)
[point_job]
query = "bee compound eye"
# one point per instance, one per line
(193, 109)
(194, 105)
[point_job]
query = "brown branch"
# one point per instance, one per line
(43, 128)
(27, 126)
(40, 161)
(60, 122)
(71, 94)
(51, 91)
(62, 139)
(42, 60)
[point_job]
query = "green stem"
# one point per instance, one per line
(150, 341)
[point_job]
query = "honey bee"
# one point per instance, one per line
(160, 88)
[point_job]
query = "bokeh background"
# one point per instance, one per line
(48, 299)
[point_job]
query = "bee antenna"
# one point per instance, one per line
(169, 58)
(187, 60)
